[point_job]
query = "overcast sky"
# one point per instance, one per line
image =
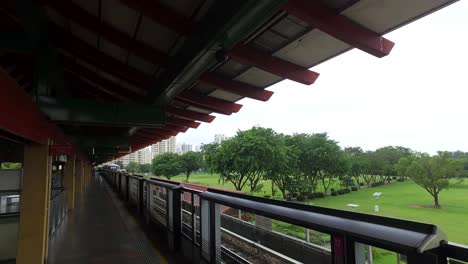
(416, 97)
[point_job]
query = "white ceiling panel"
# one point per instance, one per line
(113, 50)
(220, 94)
(383, 15)
(120, 16)
(84, 34)
(312, 48)
(257, 77)
(155, 35)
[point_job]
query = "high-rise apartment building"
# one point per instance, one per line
(218, 138)
(167, 145)
(184, 147)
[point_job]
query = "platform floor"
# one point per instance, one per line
(100, 230)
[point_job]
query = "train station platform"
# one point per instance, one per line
(101, 230)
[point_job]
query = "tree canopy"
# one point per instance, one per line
(433, 173)
(167, 165)
(189, 162)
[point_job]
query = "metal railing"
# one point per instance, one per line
(216, 226)
(58, 210)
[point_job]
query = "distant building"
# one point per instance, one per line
(167, 145)
(185, 148)
(142, 156)
(218, 138)
(197, 148)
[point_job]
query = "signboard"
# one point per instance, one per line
(56, 150)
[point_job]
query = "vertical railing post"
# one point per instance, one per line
(140, 205)
(173, 211)
(215, 233)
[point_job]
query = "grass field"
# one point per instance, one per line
(403, 200)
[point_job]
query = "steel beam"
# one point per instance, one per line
(105, 85)
(225, 24)
(105, 30)
(162, 14)
(187, 114)
(236, 87)
(250, 56)
(172, 120)
(99, 59)
(208, 102)
(317, 15)
(86, 112)
(33, 19)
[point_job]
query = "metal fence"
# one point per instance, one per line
(200, 225)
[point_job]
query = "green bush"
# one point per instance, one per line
(341, 192)
(354, 188)
(311, 196)
(334, 193)
(300, 198)
(319, 195)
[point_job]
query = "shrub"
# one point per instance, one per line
(300, 198)
(319, 195)
(394, 177)
(401, 179)
(266, 196)
(294, 195)
(347, 190)
(332, 190)
(311, 196)
(341, 192)
(375, 184)
(305, 194)
(354, 188)
(334, 193)
(361, 184)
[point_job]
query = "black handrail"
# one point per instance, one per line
(402, 236)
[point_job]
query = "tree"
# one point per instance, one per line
(282, 170)
(433, 173)
(319, 159)
(190, 161)
(209, 152)
(356, 163)
(145, 168)
(133, 167)
(167, 165)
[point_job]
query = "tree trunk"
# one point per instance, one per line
(436, 201)
(187, 175)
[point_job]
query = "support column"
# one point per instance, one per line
(79, 176)
(33, 233)
(70, 181)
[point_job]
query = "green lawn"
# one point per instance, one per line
(403, 200)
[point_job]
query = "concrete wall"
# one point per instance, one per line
(288, 246)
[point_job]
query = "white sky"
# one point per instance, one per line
(415, 97)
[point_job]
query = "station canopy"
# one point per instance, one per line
(109, 77)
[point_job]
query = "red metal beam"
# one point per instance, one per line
(105, 85)
(190, 114)
(249, 56)
(157, 131)
(236, 87)
(22, 117)
(162, 15)
(169, 127)
(93, 24)
(181, 122)
(317, 15)
(93, 56)
(208, 102)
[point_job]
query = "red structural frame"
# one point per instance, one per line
(327, 20)
(250, 56)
